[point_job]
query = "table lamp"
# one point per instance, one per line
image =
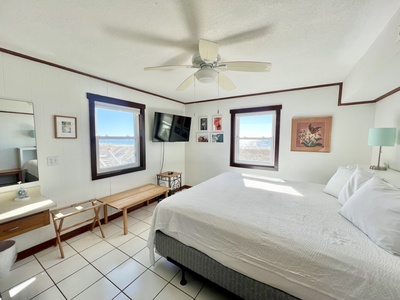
(381, 137)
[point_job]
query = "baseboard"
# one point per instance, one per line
(52, 242)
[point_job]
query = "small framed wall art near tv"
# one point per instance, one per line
(217, 123)
(217, 137)
(203, 123)
(203, 137)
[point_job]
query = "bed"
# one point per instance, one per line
(28, 163)
(31, 172)
(266, 238)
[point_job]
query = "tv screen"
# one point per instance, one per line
(171, 128)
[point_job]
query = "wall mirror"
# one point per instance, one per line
(117, 136)
(18, 154)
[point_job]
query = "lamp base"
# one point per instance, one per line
(378, 168)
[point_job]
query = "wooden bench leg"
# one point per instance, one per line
(97, 220)
(125, 214)
(58, 230)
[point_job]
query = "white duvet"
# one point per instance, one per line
(283, 233)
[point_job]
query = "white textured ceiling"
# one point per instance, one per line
(308, 42)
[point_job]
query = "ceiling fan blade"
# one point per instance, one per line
(246, 66)
(244, 36)
(185, 84)
(225, 83)
(171, 67)
(208, 50)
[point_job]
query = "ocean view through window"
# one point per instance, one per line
(117, 136)
(255, 137)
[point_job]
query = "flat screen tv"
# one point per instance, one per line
(171, 128)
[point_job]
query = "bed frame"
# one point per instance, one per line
(189, 258)
(29, 177)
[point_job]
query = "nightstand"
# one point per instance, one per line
(173, 180)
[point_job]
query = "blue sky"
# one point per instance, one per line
(251, 126)
(114, 123)
(120, 123)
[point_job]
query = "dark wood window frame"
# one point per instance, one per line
(93, 98)
(234, 112)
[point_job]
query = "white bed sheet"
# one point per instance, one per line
(32, 167)
(283, 233)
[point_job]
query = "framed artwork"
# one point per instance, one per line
(311, 134)
(217, 123)
(203, 137)
(217, 137)
(65, 127)
(203, 123)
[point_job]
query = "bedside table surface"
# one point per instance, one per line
(165, 174)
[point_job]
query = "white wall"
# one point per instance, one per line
(57, 92)
(348, 146)
(388, 115)
(377, 71)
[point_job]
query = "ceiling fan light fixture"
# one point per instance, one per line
(206, 75)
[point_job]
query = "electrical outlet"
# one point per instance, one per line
(52, 161)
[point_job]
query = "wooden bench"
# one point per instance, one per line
(124, 200)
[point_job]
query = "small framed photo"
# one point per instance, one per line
(203, 137)
(203, 123)
(311, 134)
(217, 123)
(217, 137)
(65, 127)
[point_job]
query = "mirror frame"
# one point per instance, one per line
(93, 98)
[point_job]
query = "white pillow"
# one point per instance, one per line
(357, 179)
(338, 180)
(375, 210)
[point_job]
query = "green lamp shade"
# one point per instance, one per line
(381, 136)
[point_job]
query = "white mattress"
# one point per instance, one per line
(32, 167)
(283, 233)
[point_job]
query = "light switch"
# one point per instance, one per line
(52, 161)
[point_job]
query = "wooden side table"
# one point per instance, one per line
(77, 208)
(172, 179)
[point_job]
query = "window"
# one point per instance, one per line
(255, 137)
(117, 141)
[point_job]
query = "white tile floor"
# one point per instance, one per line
(116, 267)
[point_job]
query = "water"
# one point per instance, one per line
(256, 144)
(128, 141)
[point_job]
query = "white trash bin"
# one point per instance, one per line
(8, 255)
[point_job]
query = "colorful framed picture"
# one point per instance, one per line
(217, 123)
(217, 137)
(203, 123)
(311, 134)
(203, 137)
(65, 127)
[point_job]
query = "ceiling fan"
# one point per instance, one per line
(209, 63)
